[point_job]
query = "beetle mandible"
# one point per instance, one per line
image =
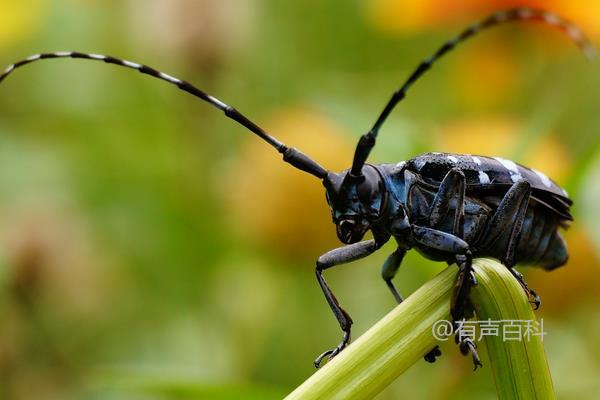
(449, 207)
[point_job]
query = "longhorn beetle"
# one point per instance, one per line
(449, 207)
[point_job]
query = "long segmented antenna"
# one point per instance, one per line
(290, 155)
(367, 141)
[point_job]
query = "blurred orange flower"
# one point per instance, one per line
(487, 71)
(498, 137)
(484, 75)
(573, 284)
(409, 16)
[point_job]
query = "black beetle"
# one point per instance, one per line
(449, 207)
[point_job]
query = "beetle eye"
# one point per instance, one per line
(365, 191)
(400, 212)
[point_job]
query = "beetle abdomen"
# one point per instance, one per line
(540, 243)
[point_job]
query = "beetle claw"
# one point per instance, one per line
(537, 300)
(330, 354)
(319, 359)
(466, 346)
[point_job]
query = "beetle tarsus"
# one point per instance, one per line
(433, 354)
(335, 351)
(533, 297)
(466, 344)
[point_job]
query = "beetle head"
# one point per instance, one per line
(355, 202)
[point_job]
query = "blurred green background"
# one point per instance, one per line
(150, 248)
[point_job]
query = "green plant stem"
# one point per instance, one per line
(404, 336)
(386, 350)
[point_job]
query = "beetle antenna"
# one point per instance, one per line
(367, 141)
(290, 155)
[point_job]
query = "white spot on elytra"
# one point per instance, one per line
(476, 160)
(401, 164)
(543, 177)
(509, 165)
(516, 177)
(453, 159)
(484, 178)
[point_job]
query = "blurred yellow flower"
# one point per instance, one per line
(19, 19)
(392, 16)
(278, 204)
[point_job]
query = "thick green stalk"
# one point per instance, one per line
(403, 336)
(519, 366)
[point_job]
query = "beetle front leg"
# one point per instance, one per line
(330, 259)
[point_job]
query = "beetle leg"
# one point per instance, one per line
(389, 270)
(449, 243)
(451, 189)
(330, 259)
(461, 307)
(508, 220)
